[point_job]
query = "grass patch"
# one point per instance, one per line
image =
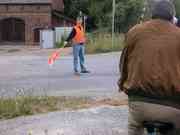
(59, 44)
(102, 43)
(13, 50)
(1, 49)
(24, 106)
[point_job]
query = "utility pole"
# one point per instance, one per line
(113, 21)
(82, 17)
(84, 20)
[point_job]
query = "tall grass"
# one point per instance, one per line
(102, 43)
(27, 105)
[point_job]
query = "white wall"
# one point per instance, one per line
(47, 39)
(62, 31)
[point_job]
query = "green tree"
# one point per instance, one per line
(177, 5)
(128, 12)
(73, 7)
(100, 11)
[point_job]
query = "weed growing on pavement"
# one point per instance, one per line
(27, 105)
(23, 105)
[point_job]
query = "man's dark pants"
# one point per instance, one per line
(143, 111)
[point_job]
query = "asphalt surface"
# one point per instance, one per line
(104, 120)
(30, 74)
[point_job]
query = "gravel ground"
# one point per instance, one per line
(105, 120)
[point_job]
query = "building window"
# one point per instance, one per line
(7, 7)
(37, 35)
(22, 8)
(13, 30)
(38, 7)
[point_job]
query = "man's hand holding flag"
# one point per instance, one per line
(55, 55)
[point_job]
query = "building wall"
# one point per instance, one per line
(57, 22)
(58, 5)
(34, 16)
(0, 32)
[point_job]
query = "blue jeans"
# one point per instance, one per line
(78, 53)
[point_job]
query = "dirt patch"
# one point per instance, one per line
(111, 102)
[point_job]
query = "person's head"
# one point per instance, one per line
(164, 10)
(79, 22)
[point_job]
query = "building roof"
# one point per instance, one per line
(25, 1)
(56, 4)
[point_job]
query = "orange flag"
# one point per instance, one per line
(55, 55)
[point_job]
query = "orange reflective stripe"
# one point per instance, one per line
(80, 35)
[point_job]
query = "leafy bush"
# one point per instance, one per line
(27, 105)
(60, 44)
(102, 43)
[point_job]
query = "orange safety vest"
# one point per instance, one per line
(80, 35)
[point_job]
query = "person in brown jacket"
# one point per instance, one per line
(150, 71)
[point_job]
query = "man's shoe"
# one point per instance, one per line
(85, 71)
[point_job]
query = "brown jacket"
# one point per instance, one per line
(150, 62)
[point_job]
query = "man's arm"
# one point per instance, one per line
(123, 68)
(71, 35)
(123, 65)
(130, 39)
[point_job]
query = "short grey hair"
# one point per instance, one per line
(163, 9)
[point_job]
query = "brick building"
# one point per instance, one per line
(21, 20)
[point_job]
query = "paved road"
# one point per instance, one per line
(30, 74)
(96, 121)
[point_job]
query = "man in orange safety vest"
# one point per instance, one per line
(78, 38)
